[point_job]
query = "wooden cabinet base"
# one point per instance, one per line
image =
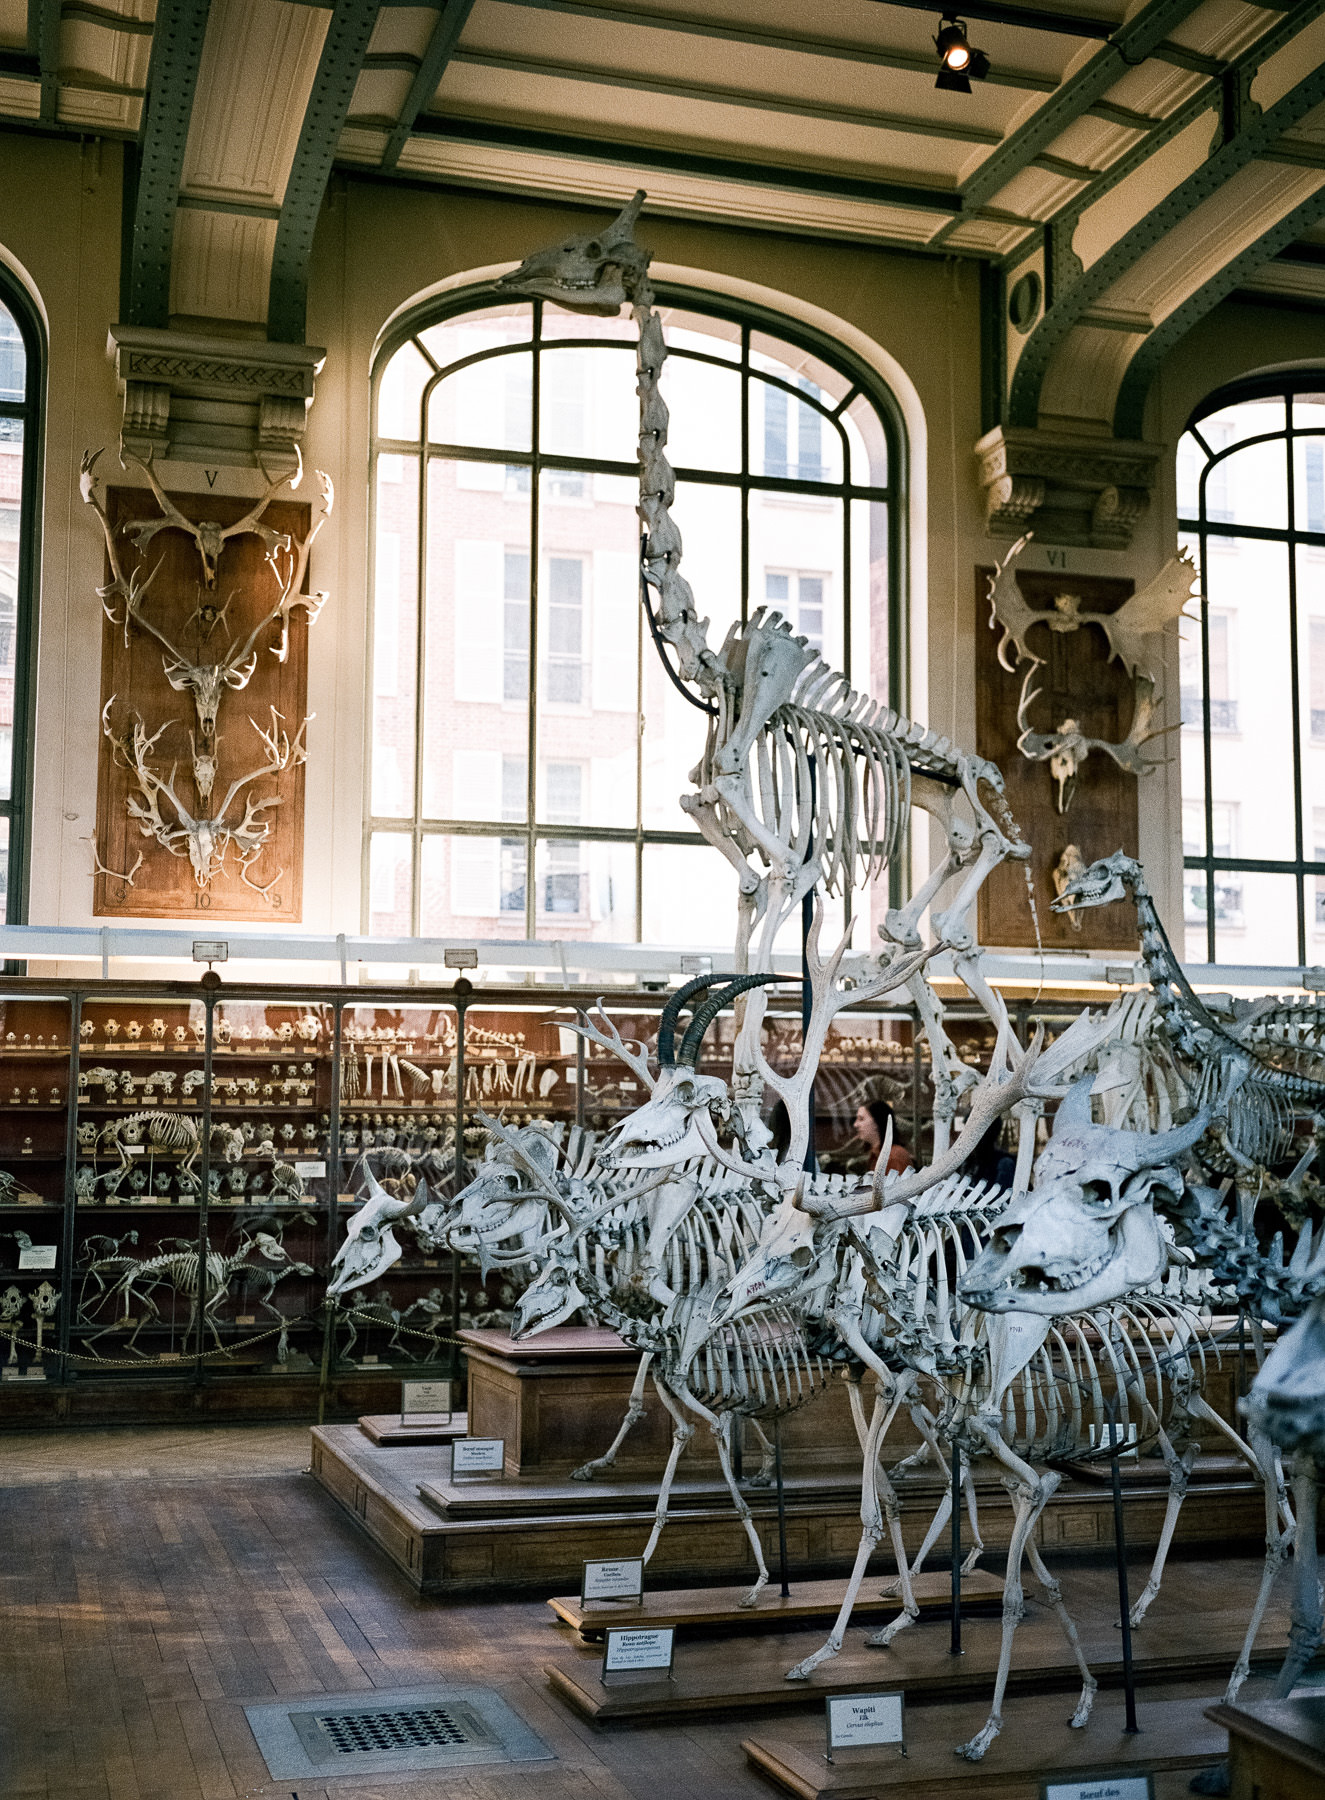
(1276, 1748)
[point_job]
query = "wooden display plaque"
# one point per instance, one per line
(201, 623)
(1079, 682)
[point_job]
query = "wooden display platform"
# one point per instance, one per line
(747, 1672)
(414, 1428)
(531, 1533)
(1036, 1745)
(697, 1607)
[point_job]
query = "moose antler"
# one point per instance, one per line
(210, 537)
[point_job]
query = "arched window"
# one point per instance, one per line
(1251, 501)
(20, 452)
(528, 748)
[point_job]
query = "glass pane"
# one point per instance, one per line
(558, 323)
(796, 566)
(788, 361)
(395, 647)
(1245, 419)
(1309, 480)
(1190, 462)
(696, 331)
(869, 445)
(1255, 918)
(451, 339)
(272, 1093)
(472, 887)
(1251, 700)
(584, 891)
(869, 597)
(1250, 487)
(588, 405)
(704, 403)
(13, 358)
(4, 868)
(34, 1087)
(389, 870)
(476, 701)
(400, 394)
(1311, 670)
(489, 404)
(790, 439)
(588, 654)
(672, 731)
(689, 898)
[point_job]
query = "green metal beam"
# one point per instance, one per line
(427, 79)
(172, 77)
(343, 51)
(1129, 413)
(1068, 304)
(44, 44)
(686, 162)
(1129, 44)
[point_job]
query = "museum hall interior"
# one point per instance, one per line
(662, 836)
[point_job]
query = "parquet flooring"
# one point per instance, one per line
(154, 1582)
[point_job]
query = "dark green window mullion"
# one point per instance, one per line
(1293, 673)
(535, 557)
(745, 474)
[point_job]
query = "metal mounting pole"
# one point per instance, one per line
(1120, 1552)
(955, 1647)
(782, 1508)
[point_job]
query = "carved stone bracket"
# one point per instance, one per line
(1068, 489)
(220, 401)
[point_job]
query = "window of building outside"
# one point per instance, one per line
(1251, 504)
(20, 374)
(528, 747)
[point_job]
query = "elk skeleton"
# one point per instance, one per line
(803, 780)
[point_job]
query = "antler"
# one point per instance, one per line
(613, 1041)
(283, 752)
(89, 486)
(294, 580)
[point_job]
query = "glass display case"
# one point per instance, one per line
(178, 1163)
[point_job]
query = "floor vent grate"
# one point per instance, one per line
(419, 1728)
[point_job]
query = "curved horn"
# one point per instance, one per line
(705, 1015)
(1074, 1107)
(672, 1012)
(1163, 1146)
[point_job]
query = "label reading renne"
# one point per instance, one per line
(425, 1397)
(620, 1579)
(627, 1650)
(864, 1719)
(478, 1456)
(1101, 1787)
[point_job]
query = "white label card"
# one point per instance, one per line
(864, 1719)
(620, 1579)
(478, 1456)
(1101, 1787)
(310, 1171)
(38, 1256)
(627, 1650)
(425, 1397)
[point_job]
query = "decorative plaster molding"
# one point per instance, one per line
(1069, 489)
(209, 400)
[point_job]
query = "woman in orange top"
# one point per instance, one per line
(871, 1124)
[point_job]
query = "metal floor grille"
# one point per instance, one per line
(402, 1729)
(369, 1733)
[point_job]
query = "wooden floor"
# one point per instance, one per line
(154, 1581)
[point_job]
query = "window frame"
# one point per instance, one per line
(861, 380)
(1284, 386)
(30, 410)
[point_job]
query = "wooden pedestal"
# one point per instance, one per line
(558, 1401)
(1276, 1749)
(414, 1428)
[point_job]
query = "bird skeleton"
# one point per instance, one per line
(1130, 631)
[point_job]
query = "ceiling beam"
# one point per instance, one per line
(172, 77)
(715, 95)
(1129, 413)
(1259, 133)
(44, 44)
(1025, 18)
(428, 76)
(689, 162)
(1129, 44)
(338, 69)
(835, 49)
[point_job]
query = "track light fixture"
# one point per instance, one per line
(959, 64)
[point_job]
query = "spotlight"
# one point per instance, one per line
(959, 64)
